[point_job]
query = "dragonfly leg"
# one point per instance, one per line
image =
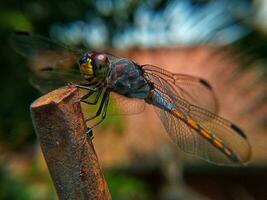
(90, 93)
(103, 115)
(89, 133)
(85, 86)
(86, 96)
(100, 107)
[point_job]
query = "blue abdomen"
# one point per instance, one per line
(157, 99)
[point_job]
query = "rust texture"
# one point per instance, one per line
(69, 153)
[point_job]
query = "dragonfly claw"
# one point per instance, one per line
(73, 84)
(70, 84)
(89, 133)
(78, 100)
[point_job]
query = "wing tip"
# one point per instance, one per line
(46, 68)
(238, 130)
(205, 83)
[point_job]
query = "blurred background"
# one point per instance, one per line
(222, 41)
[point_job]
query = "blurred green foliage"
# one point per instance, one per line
(123, 186)
(22, 187)
(13, 187)
(14, 20)
(251, 50)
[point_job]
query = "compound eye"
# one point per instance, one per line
(102, 57)
(100, 60)
(84, 59)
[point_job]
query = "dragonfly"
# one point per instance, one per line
(186, 105)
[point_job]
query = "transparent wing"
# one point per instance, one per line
(48, 79)
(198, 131)
(194, 90)
(120, 105)
(51, 64)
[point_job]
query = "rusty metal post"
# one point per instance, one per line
(69, 154)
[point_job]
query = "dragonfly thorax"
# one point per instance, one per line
(94, 65)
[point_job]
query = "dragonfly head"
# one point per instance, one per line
(94, 65)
